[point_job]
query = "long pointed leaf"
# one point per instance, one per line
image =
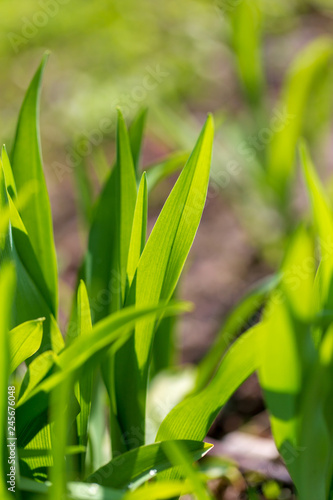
(27, 166)
(135, 133)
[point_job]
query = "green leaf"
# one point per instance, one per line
(114, 330)
(101, 249)
(157, 275)
(109, 243)
(246, 21)
(31, 295)
(160, 491)
(298, 87)
(24, 341)
(135, 133)
(5, 234)
(38, 464)
(126, 183)
(163, 169)
(27, 256)
(7, 284)
(82, 491)
(164, 348)
(134, 467)
(193, 417)
(110, 234)
(10, 182)
(27, 166)
(139, 230)
(323, 221)
(234, 323)
(97, 455)
(75, 491)
(31, 453)
(61, 415)
(284, 376)
(38, 369)
(314, 457)
(84, 386)
(5, 209)
(179, 457)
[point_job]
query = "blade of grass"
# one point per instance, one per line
(135, 133)
(60, 410)
(110, 234)
(7, 284)
(27, 165)
(84, 386)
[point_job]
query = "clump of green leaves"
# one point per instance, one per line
(125, 289)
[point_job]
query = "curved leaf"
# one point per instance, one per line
(193, 417)
(134, 467)
(27, 165)
(24, 341)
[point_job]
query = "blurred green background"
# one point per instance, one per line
(102, 52)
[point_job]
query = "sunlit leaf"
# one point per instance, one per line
(157, 274)
(24, 341)
(133, 468)
(27, 165)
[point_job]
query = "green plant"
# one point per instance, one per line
(124, 292)
(297, 380)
